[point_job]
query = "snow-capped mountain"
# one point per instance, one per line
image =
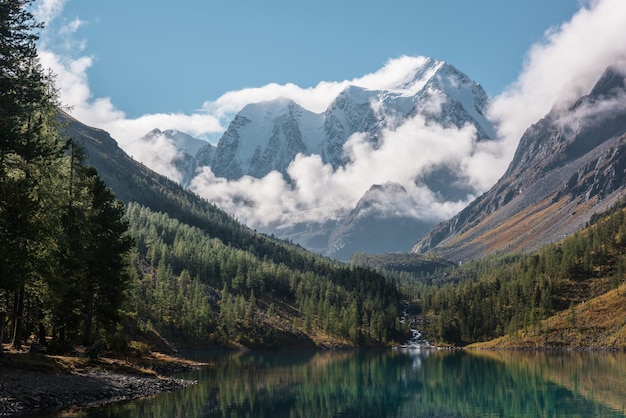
(267, 136)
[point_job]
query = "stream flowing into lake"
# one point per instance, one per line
(393, 383)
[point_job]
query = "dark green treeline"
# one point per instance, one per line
(194, 288)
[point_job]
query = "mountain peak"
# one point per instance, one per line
(268, 109)
(180, 140)
(154, 132)
(416, 77)
(611, 83)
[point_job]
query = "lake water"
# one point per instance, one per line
(394, 383)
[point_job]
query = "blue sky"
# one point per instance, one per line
(159, 56)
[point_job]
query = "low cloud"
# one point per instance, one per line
(561, 68)
(598, 110)
(318, 192)
(164, 161)
(318, 98)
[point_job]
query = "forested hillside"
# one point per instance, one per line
(487, 298)
(194, 288)
(182, 238)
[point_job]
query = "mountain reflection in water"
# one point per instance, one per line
(394, 383)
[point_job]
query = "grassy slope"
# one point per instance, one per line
(599, 323)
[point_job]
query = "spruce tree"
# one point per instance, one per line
(30, 155)
(106, 249)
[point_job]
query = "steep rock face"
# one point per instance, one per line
(266, 136)
(349, 113)
(203, 157)
(224, 163)
(567, 167)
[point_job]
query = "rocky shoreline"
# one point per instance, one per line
(26, 392)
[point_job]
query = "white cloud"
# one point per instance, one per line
(48, 10)
(162, 161)
(317, 192)
(318, 98)
(563, 67)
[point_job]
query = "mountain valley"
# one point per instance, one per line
(569, 169)
(377, 170)
(299, 243)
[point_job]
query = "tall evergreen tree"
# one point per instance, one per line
(93, 252)
(30, 154)
(107, 248)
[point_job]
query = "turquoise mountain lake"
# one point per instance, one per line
(394, 383)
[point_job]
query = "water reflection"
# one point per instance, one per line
(395, 383)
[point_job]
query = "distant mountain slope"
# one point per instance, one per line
(190, 151)
(568, 167)
(133, 182)
(374, 227)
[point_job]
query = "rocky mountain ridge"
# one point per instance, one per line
(568, 166)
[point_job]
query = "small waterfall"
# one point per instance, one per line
(417, 340)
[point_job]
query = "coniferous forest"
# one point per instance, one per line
(63, 240)
(484, 299)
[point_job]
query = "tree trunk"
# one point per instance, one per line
(3, 317)
(88, 338)
(18, 319)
